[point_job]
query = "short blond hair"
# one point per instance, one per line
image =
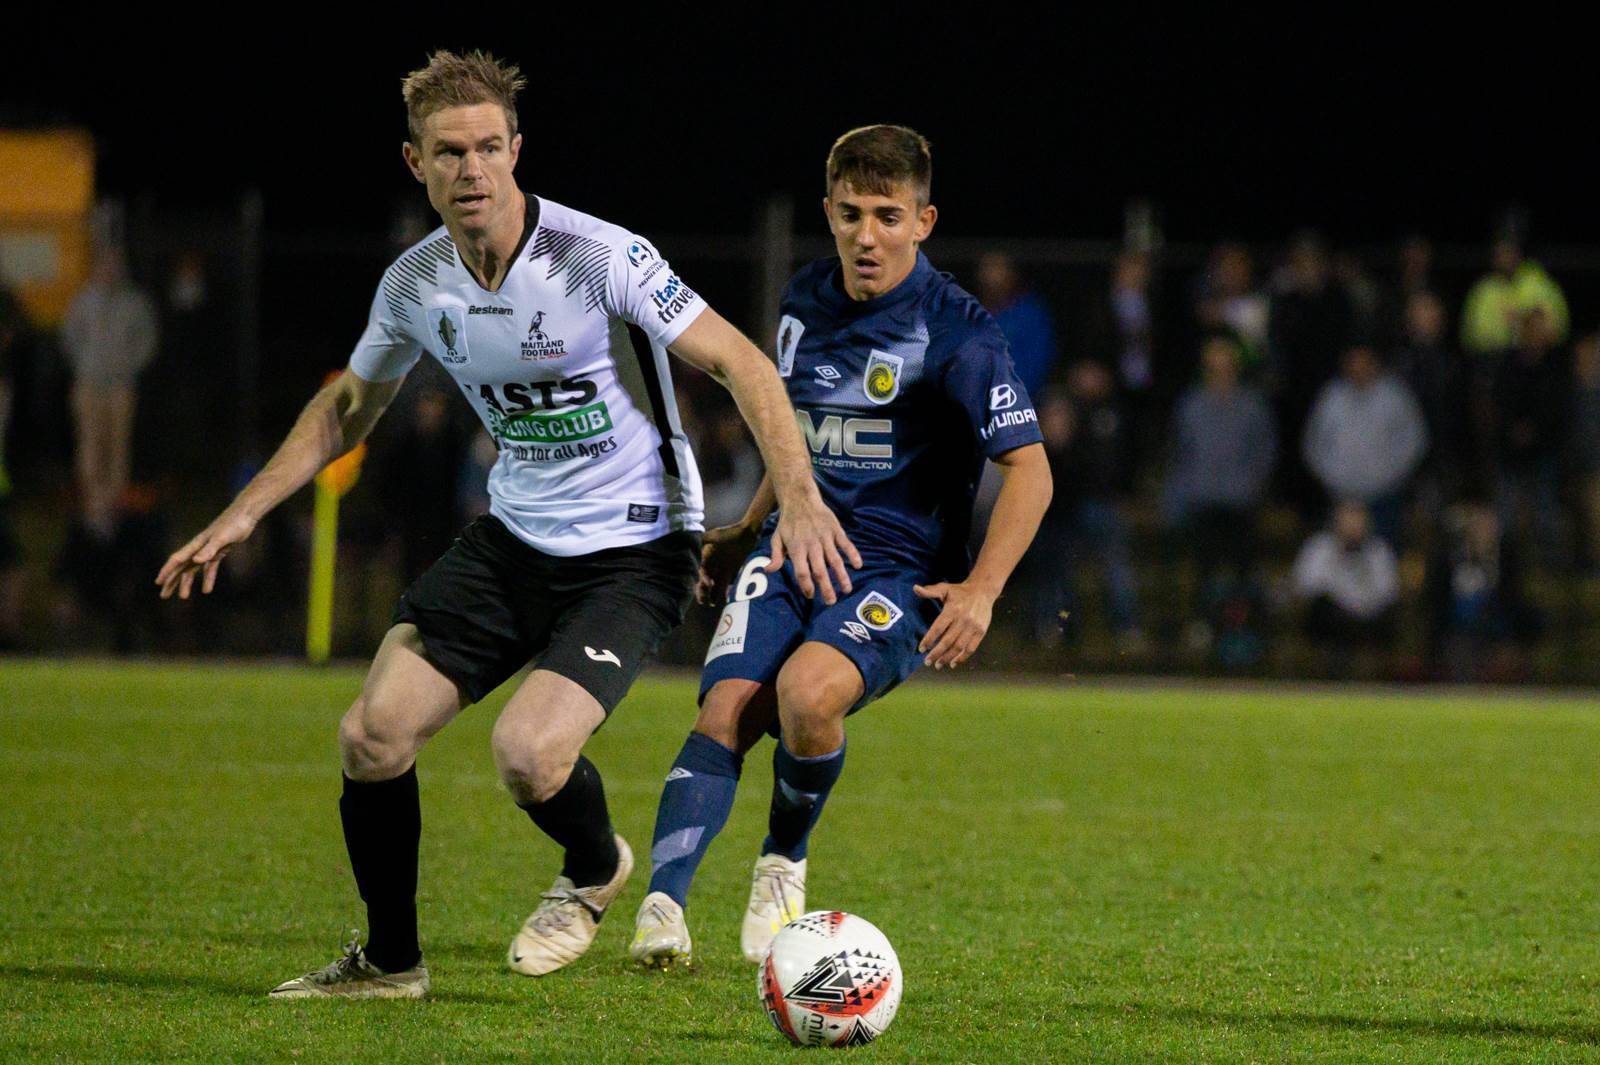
(451, 80)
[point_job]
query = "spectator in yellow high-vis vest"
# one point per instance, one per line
(1497, 304)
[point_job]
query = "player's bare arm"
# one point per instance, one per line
(808, 532)
(966, 608)
(728, 545)
(337, 419)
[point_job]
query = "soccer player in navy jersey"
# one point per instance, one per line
(903, 386)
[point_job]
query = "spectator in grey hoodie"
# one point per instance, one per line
(1365, 439)
(1223, 446)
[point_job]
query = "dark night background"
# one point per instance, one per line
(1364, 127)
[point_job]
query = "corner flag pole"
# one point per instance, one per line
(337, 478)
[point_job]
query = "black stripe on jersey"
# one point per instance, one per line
(419, 264)
(584, 260)
(530, 221)
(658, 399)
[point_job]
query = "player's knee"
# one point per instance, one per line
(809, 704)
(369, 749)
(532, 767)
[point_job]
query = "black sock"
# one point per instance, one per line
(382, 826)
(576, 817)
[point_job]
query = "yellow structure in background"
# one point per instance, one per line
(46, 201)
(337, 478)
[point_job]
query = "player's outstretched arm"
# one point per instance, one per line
(965, 609)
(807, 533)
(337, 419)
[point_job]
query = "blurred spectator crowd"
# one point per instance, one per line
(1355, 469)
(1287, 461)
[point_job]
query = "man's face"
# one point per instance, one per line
(877, 236)
(466, 159)
(1219, 361)
(1361, 367)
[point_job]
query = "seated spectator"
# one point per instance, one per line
(1022, 316)
(1085, 437)
(1222, 449)
(1350, 580)
(1365, 439)
(1531, 402)
(1583, 436)
(1498, 304)
(1480, 621)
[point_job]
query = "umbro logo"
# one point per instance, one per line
(603, 655)
(856, 631)
(826, 376)
(678, 773)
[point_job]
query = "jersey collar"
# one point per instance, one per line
(530, 222)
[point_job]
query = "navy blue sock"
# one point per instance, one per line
(694, 806)
(799, 788)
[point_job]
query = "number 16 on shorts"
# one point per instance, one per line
(735, 619)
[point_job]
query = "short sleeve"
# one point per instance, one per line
(646, 292)
(982, 382)
(385, 351)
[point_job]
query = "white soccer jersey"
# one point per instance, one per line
(592, 454)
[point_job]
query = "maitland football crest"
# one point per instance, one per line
(538, 344)
(450, 326)
(881, 382)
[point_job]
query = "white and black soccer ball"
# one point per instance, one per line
(830, 979)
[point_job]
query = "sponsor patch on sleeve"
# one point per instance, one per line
(790, 330)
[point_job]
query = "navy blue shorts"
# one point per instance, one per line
(877, 626)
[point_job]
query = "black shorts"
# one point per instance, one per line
(492, 604)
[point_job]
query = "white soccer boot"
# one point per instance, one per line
(353, 976)
(660, 934)
(563, 926)
(777, 896)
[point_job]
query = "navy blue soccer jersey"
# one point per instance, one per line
(901, 398)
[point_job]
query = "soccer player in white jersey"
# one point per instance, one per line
(555, 325)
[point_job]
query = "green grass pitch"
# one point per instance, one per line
(1068, 873)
